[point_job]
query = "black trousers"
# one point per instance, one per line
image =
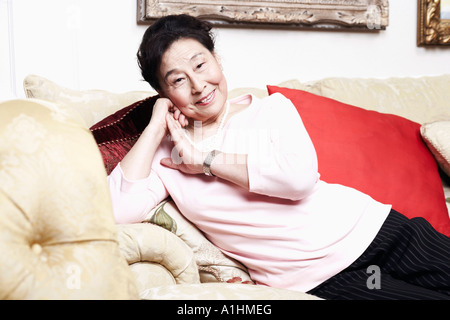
(408, 259)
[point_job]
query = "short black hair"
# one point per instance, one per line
(160, 36)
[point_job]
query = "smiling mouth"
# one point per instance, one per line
(206, 100)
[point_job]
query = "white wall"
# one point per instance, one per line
(91, 44)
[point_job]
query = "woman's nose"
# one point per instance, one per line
(197, 85)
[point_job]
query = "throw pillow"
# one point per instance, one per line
(382, 155)
(437, 138)
(117, 133)
(213, 265)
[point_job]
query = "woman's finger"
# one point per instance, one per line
(177, 114)
(176, 132)
(183, 121)
(183, 146)
(168, 162)
(174, 127)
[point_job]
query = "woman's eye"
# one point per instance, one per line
(199, 66)
(178, 81)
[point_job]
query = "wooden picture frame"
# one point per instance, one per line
(366, 15)
(432, 30)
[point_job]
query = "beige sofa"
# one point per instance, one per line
(167, 256)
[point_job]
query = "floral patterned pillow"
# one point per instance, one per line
(213, 265)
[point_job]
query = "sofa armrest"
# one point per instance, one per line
(149, 244)
(57, 231)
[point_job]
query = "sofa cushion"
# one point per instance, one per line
(437, 138)
(421, 99)
(117, 133)
(382, 155)
(92, 105)
(226, 291)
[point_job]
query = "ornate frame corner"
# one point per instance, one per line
(431, 29)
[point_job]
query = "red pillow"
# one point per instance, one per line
(117, 133)
(382, 155)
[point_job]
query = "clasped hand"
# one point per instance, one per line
(185, 157)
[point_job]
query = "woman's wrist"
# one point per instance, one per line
(155, 131)
(207, 162)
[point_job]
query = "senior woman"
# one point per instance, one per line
(245, 173)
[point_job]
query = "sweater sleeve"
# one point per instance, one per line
(285, 163)
(133, 200)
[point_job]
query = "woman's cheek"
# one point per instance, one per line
(180, 99)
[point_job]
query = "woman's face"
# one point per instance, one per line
(192, 78)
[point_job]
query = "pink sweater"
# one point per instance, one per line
(291, 230)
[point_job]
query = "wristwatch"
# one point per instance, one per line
(208, 161)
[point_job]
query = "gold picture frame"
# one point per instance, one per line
(367, 15)
(433, 24)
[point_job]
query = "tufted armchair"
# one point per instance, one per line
(57, 235)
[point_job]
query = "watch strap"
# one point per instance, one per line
(208, 161)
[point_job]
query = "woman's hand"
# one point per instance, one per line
(161, 109)
(177, 115)
(137, 162)
(185, 157)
